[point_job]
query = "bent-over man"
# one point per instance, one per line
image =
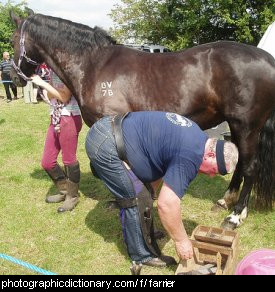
(129, 153)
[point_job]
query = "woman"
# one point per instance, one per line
(62, 135)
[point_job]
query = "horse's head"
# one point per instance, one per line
(26, 56)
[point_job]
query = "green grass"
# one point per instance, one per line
(88, 240)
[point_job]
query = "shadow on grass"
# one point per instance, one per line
(203, 187)
(2, 121)
(106, 223)
(90, 186)
(39, 174)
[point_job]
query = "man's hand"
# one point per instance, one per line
(184, 249)
(170, 215)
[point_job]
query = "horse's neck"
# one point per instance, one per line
(71, 68)
(62, 64)
(74, 67)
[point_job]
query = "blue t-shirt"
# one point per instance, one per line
(164, 145)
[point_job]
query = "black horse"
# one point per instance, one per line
(211, 83)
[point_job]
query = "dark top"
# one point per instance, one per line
(164, 145)
(5, 67)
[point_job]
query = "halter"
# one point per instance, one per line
(23, 55)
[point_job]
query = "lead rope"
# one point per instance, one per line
(25, 264)
(56, 117)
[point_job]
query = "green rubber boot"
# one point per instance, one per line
(72, 196)
(60, 180)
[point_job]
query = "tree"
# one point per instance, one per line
(136, 20)
(7, 27)
(185, 23)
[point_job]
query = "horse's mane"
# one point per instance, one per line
(71, 36)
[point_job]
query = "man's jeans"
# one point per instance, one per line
(101, 149)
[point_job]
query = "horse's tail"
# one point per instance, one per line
(264, 183)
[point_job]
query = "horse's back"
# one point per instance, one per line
(198, 72)
(209, 83)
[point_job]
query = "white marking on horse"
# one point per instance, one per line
(106, 88)
(237, 219)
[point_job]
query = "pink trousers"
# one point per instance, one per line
(64, 141)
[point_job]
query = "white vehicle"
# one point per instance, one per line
(149, 48)
(267, 42)
(154, 48)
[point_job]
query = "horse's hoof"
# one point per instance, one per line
(228, 225)
(234, 220)
(217, 208)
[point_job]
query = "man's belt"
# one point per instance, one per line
(117, 131)
(120, 146)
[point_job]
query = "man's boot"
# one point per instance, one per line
(72, 197)
(60, 180)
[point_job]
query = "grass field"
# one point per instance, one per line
(88, 240)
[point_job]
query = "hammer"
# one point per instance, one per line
(209, 269)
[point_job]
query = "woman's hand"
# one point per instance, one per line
(63, 94)
(37, 80)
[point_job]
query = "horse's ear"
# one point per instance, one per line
(29, 11)
(16, 19)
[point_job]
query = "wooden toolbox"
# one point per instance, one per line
(215, 252)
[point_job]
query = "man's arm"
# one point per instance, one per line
(62, 94)
(170, 214)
